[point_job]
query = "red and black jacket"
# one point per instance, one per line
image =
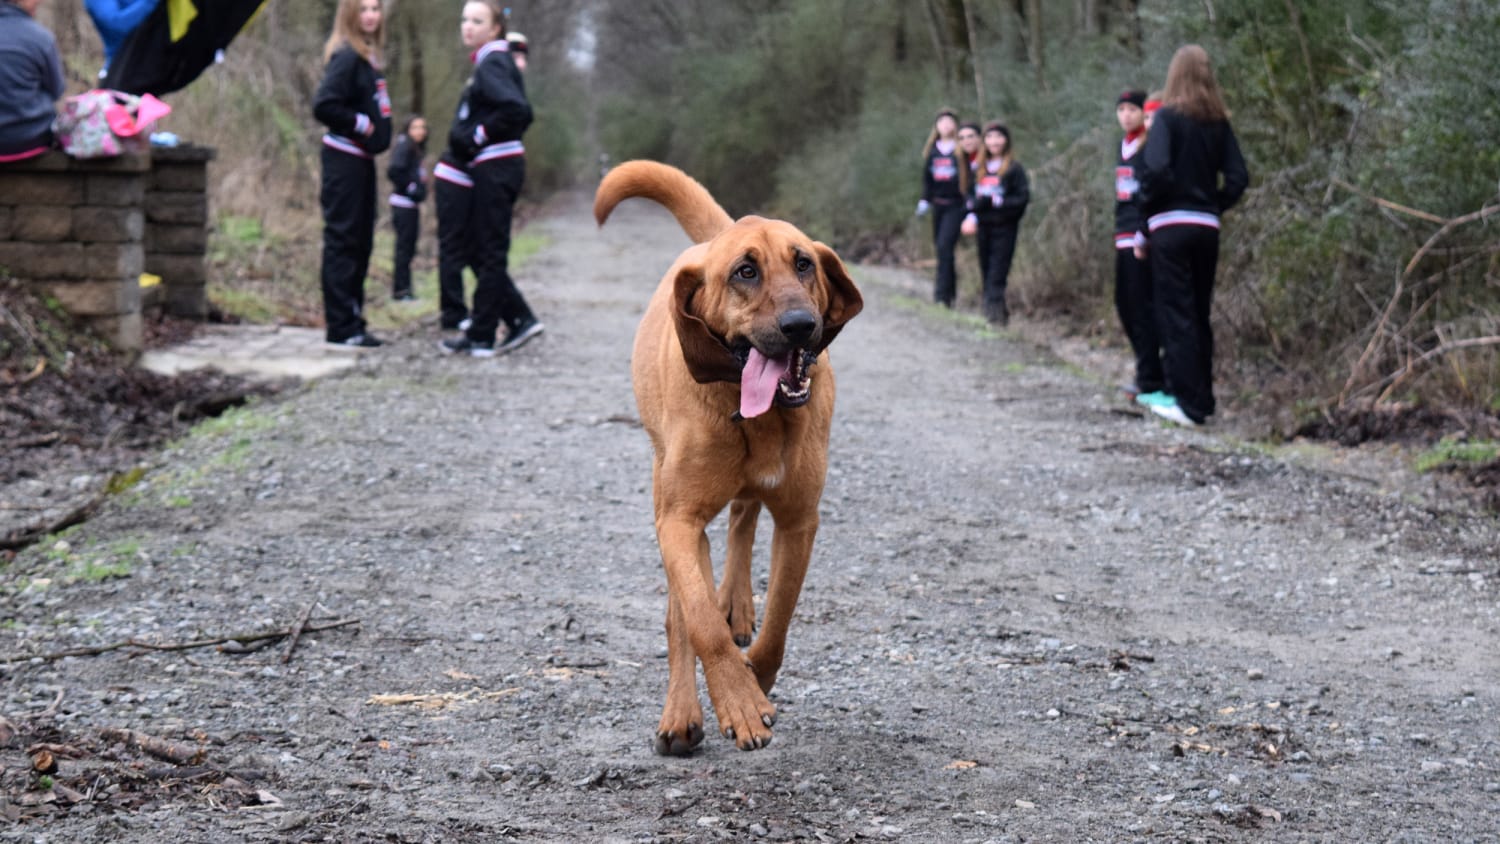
(493, 111)
(1127, 191)
(353, 103)
(1000, 199)
(1180, 169)
(940, 176)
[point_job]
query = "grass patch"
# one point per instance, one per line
(1449, 453)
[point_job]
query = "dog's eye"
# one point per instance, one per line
(747, 272)
(804, 264)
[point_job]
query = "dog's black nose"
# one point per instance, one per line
(798, 325)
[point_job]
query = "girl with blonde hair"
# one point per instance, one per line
(1191, 173)
(945, 185)
(353, 103)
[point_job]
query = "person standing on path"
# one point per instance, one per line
(493, 113)
(353, 103)
(998, 200)
(945, 187)
(31, 76)
(1190, 146)
(1132, 275)
(408, 177)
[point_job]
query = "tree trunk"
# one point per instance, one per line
(418, 71)
(1035, 44)
(974, 57)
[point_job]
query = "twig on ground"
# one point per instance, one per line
(179, 646)
(297, 633)
(171, 751)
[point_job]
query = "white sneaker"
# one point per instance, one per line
(463, 324)
(1173, 413)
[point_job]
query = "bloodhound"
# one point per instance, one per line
(733, 385)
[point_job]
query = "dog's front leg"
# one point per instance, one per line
(736, 597)
(681, 727)
(744, 713)
(791, 549)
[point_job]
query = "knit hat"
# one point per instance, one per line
(1132, 96)
(518, 42)
(945, 112)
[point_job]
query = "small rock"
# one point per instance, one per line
(1255, 674)
(759, 831)
(1025, 804)
(1432, 766)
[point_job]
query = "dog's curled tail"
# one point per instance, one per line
(691, 203)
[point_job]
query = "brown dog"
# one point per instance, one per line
(723, 369)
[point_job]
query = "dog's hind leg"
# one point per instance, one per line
(681, 727)
(736, 598)
(791, 549)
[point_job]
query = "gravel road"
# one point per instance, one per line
(1033, 615)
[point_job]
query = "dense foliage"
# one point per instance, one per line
(1362, 266)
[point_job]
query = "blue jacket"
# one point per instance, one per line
(31, 75)
(116, 19)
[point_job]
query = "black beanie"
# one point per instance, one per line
(1132, 96)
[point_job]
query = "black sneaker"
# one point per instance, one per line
(519, 335)
(462, 345)
(358, 341)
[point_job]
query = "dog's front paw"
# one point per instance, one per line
(679, 741)
(747, 724)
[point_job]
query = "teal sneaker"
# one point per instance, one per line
(1156, 399)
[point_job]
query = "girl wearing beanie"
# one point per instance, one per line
(1132, 274)
(1189, 148)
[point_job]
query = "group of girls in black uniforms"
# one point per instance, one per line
(478, 179)
(972, 184)
(1179, 169)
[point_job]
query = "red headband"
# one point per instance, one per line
(1151, 105)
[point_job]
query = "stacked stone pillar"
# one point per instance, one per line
(76, 231)
(83, 231)
(177, 229)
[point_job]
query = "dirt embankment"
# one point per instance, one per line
(1033, 615)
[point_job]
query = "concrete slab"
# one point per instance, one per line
(269, 351)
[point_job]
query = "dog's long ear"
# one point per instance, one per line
(844, 301)
(707, 358)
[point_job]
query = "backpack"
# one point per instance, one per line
(102, 123)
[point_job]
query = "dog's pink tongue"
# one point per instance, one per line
(758, 382)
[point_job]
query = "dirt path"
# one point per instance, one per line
(1032, 616)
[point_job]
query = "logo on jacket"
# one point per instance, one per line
(944, 168)
(383, 97)
(1126, 184)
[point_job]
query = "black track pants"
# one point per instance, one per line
(497, 183)
(1138, 318)
(946, 222)
(1183, 261)
(348, 200)
(454, 203)
(406, 221)
(997, 247)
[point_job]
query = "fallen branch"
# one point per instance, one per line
(35, 373)
(170, 751)
(179, 646)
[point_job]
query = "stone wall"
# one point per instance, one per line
(82, 232)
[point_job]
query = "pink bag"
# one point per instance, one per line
(102, 123)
